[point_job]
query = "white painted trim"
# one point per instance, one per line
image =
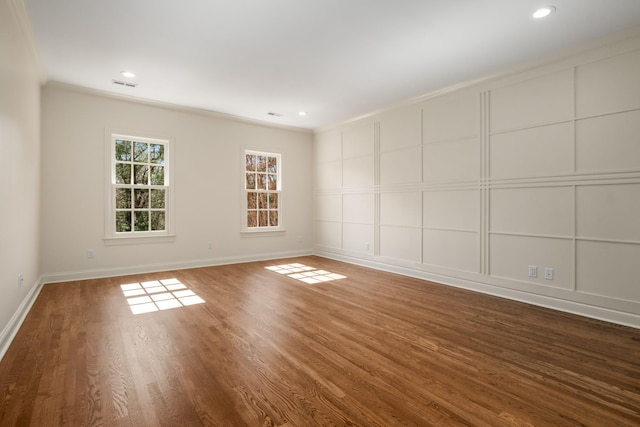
(21, 15)
(173, 107)
(10, 331)
(157, 268)
(586, 310)
(624, 41)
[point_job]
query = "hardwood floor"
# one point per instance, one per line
(264, 349)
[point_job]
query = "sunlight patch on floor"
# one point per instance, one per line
(304, 273)
(146, 297)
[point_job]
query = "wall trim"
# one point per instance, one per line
(585, 53)
(52, 84)
(171, 266)
(572, 307)
(9, 332)
(22, 17)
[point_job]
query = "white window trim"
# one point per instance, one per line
(110, 235)
(257, 231)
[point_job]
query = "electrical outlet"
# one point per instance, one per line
(533, 271)
(366, 246)
(90, 253)
(209, 245)
(548, 273)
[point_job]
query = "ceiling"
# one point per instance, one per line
(334, 59)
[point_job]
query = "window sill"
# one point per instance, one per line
(138, 240)
(246, 232)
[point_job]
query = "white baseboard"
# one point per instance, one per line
(156, 268)
(564, 305)
(10, 331)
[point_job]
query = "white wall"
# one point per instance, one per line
(206, 173)
(19, 169)
(472, 186)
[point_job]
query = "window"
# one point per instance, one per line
(139, 187)
(263, 186)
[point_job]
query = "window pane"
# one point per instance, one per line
(262, 163)
(262, 182)
(252, 200)
(156, 153)
(141, 152)
(251, 181)
(123, 221)
(141, 220)
(157, 221)
(252, 219)
(250, 162)
(273, 218)
(157, 175)
(273, 165)
(123, 198)
(273, 182)
(157, 199)
(123, 150)
(141, 197)
(262, 201)
(273, 200)
(141, 173)
(263, 219)
(123, 173)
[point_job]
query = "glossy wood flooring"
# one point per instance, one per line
(264, 349)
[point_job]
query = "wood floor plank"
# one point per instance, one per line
(265, 349)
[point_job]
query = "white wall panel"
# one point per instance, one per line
(609, 212)
(329, 207)
(358, 172)
(401, 129)
(609, 85)
(450, 117)
(541, 151)
(451, 249)
(608, 143)
(329, 175)
(329, 234)
(456, 209)
(608, 269)
(511, 256)
(357, 237)
(454, 160)
(545, 211)
(358, 208)
(401, 243)
(541, 100)
(401, 166)
(401, 209)
(328, 146)
(357, 140)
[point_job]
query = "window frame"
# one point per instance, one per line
(245, 229)
(111, 235)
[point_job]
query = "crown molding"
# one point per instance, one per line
(170, 106)
(607, 46)
(20, 13)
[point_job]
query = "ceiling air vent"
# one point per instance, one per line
(121, 83)
(271, 113)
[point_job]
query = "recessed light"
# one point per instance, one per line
(544, 11)
(128, 74)
(302, 113)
